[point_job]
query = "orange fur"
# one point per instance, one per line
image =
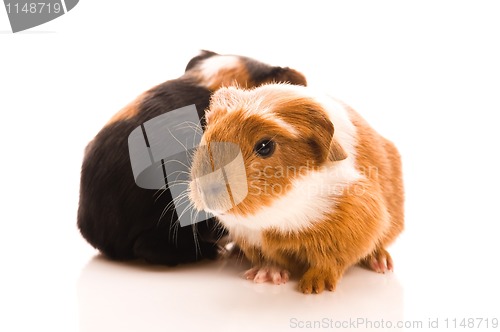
(365, 217)
(128, 111)
(238, 76)
(231, 76)
(382, 157)
(355, 232)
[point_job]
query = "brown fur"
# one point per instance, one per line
(238, 76)
(128, 111)
(253, 127)
(364, 219)
(290, 76)
(231, 76)
(382, 156)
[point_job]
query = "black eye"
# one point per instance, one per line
(264, 148)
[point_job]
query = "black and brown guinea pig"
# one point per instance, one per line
(125, 221)
(301, 182)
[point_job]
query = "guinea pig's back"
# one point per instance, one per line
(115, 215)
(379, 160)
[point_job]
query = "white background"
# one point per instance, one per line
(426, 74)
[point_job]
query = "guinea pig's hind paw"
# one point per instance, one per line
(379, 261)
(266, 273)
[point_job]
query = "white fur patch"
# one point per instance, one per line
(312, 196)
(249, 236)
(282, 124)
(310, 199)
(210, 67)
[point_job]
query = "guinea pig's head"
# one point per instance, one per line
(257, 142)
(214, 70)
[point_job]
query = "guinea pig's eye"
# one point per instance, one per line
(265, 148)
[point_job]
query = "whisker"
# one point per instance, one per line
(186, 209)
(175, 138)
(190, 125)
(160, 192)
(175, 201)
(174, 160)
(196, 241)
(172, 229)
(157, 195)
(178, 182)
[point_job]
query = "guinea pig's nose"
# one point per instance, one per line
(215, 189)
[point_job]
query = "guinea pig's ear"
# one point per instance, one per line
(265, 75)
(337, 153)
(288, 75)
(325, 143)
(204, 54)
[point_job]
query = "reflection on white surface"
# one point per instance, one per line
(213, 295)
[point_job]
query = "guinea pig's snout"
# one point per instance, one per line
(218, 177)
(210, 193)
(205, 190)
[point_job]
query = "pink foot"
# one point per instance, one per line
(268, 273)
(379, 261)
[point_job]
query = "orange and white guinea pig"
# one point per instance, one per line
(310, 188)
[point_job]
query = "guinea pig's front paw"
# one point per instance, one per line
(317, 280)
(265, 273)
(379, 261)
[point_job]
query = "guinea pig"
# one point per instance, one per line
(125, 221)
(301, 182)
